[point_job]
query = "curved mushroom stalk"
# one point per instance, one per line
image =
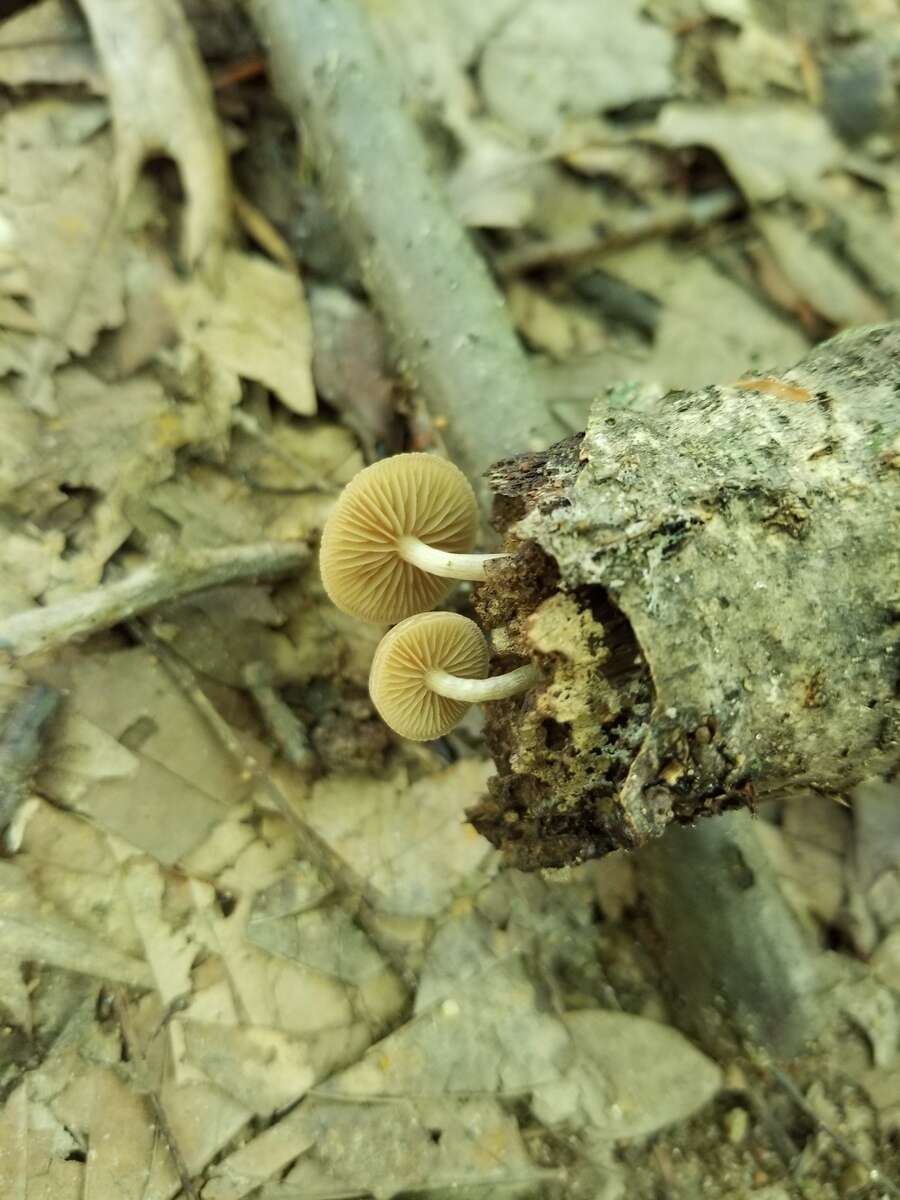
(401, 529)
(478, 691)
(443, 563)
(428, 670)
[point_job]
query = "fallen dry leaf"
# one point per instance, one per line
(480, 1026)
(47, 43)
(164, 793)
(410, 842)
(38, 1155)
(148, 50)
(31, 932)
(554, 61)
(630, 1078)
(770, 148)
(830, 288)
(428, 1144)
(58, 205)
(255, 323)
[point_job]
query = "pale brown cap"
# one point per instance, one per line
(443, 641)
(414, 495)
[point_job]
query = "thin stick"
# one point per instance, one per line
(280, 721)
(345, 880)
(142, 1072)
(875, 1175)
(445, 316)
(696, 213)
(148, 586)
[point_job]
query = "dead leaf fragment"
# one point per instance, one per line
(37, 1153)
(427, 1144)
(829, 287)
(770, 149)
(47, 43)
(167, 792)
(147, 50)
(350, 365)
(33, 932)
(126, 1159)
(629, 1078)
(257, 325)
(708, 322)
(58, 202)
(480, 1026)
(268, 1069)
(557, 60)
(410, 842)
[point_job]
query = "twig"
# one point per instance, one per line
(345, 880)
(260, 229)
(21, 730)
(446, 318)
(251, 66)
(142, 1073)
(695, 213)
(279, 719)
(875, 1175)
(150, 585)
(784, 1144)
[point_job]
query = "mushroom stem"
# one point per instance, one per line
(443, 563)
(476, 691)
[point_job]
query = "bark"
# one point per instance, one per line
(713, 592)
(447, 321)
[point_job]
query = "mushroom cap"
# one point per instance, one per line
(406, 653)
(414, 495)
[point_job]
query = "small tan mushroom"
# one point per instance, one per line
(401, 529)
(428, 670)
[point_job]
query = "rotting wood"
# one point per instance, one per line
(715, 591)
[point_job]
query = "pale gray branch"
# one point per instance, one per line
(448, 322)
(148, 586)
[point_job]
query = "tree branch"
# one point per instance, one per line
(447, 320)
(148, 586)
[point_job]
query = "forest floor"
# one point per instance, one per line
(249, 946)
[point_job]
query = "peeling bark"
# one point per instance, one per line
(713, 593)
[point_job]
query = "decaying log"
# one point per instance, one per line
(713, 592)
(577, 762)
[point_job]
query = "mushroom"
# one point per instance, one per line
(401, 528)
(428, 670)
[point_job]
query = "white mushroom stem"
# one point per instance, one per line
(477, 691)
(443, 562)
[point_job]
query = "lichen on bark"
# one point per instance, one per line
(713, 592)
